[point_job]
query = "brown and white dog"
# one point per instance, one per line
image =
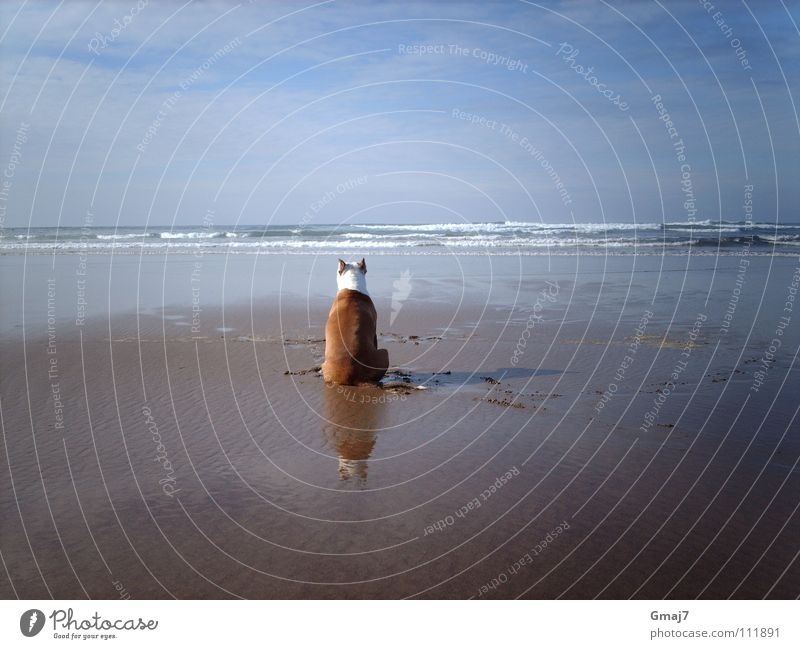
(352, 356)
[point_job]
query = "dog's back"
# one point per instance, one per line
(351, 344)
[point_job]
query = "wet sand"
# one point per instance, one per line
(576, 431)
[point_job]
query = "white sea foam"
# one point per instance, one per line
(122, 236)
(192, 235)
(511, 237)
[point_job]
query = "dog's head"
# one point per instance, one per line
(353, 266)
(352, 275)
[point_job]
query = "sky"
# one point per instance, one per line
(132, 112)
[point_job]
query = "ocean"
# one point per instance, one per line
(501, 238)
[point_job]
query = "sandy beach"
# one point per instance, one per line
(552, 427)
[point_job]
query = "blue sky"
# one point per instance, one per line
(266, 112)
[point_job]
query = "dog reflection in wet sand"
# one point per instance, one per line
(352, 419)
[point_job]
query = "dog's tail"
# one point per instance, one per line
(381, 363)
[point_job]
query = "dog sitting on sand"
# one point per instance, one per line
(352, 356)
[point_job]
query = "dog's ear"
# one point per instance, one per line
(342, 266)
(362, 265)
